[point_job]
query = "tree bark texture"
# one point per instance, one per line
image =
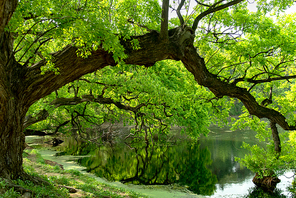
(7, 8)
(12, 112)
(267, 183)
(12, 139)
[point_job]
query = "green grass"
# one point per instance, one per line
(87, 186)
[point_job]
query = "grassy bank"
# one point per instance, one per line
(62, 183)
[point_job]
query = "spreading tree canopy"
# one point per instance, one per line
(229, 51)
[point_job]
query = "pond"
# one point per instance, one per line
(205, 167)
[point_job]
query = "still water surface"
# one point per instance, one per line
(206, 167)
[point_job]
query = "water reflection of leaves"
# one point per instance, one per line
(74, 147)
(148, 164)
(224, 166)
(259, 193)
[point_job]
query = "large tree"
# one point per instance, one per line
(47, 44)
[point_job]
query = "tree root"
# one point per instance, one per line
(17, 188)
(70, 189)
(25, 177)
(35, 180)
(267, 183)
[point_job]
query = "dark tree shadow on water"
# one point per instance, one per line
(256, 192)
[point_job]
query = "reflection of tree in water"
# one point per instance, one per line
(259, 193)
(224, 166)
(74, 147)
(155, 164)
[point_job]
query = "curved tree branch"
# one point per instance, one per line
(99, 99)
(181, 19)
(211, 10)
(35, 85)
(251, 80)
(196, 65)
(29, 120)
(202, 4)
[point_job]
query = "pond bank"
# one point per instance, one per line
(149, 191)
(59, 183)
(68, 163)
(85, 185)
(222, 146)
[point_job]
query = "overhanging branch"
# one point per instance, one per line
(71, 67)
(196, 65)
(99, 99)
(29, 120)
(179, 47)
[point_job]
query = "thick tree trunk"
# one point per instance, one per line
(12, 139)
(12, 112)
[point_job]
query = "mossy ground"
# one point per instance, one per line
(61, 182)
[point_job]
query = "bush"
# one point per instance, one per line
(262, 158)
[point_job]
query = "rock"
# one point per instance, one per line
(27, 195)
(55, 142)
(52, 163)
(70, 189)
(28, 147)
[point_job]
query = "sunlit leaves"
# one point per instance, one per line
(276, 6)
(263, 160)
(251, 46)
(44, 27)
